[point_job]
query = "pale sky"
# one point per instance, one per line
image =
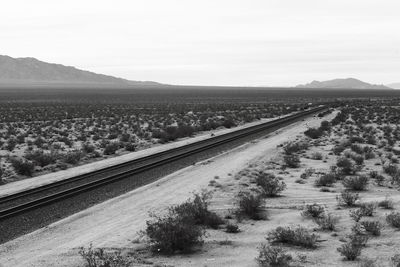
(210, 42)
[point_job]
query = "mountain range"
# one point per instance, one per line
(348, 83)
(31, 71)
(27, 71)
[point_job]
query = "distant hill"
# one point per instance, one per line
(32, 71)
(349, 83)
(394, 85)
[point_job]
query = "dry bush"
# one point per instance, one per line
(386, 204)
(313, 211)
(250, 205)
(307, 173)
(101, 258)
(393, 219)
(347, 198)
(317, 156)
(327, 222)
(23, 167)
(294, 147)
(232, 228)
(314, 133)
(298, 236)
(372, 227)
(345, 165)
(365, 210)
(197, 208)
(356, 183)
(273, 256)
(326, 179)
(350, 251)
(270, 184)
(292, 161)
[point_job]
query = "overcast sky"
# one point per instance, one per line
(210, 42)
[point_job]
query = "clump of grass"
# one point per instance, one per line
(347, 199)
(273, 256)
(298, 236)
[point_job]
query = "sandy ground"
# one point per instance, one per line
(21, 185)
(115, 223)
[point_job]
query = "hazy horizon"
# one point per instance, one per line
(224, 43)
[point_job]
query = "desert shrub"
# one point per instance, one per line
(42, 158)
(232, 228)
(393, 219)
(369, 154)
(358, 159)
(326, 180)
(390, 169)
(88, 148)
(313, 211)
(357, 148)
(23, 167)
(350, 251)
(298, 236)
(292, 161)
(294, 147)
(365, 209)
(250, 205)
(367, 263)
(314, 133)
(377, 177)
(317, 156)
(346, 165)
(356, 139)
(307, 173)
(197, 209)
(173, 232)
(386, 204)
(347, 198)
(100, 258)
(325, 126)
(130, 147)
(273, 256)
(270, 184)
(111, 148)
(11, 144)
(327, 222)
(395, 260)
(72, 157)
(338, 149)
(357, 183)
(372, 227)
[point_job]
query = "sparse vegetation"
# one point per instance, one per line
(273, 256)
(298, 236)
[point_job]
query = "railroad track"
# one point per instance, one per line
(25, 201)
